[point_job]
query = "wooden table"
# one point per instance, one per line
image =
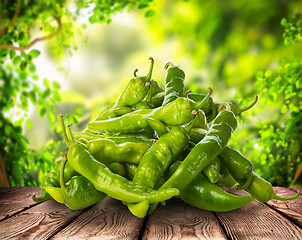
(22, 218)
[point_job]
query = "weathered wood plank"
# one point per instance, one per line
(16, 200)
(178, 220)
(108, 219)
(38, 222)
(258, 221)
(291, 209)
(8, 189)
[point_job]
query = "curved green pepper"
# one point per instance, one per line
(134, 92)
(212, 171)
(175, 84)
(178, 112)
(263, 190)
(240, 167)
(105, 181)
(208, 196)
(204, 152)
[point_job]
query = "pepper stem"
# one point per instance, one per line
(240, 110)
(190, 125)
(70, 133)
(199, 104)
(62, 182)
(168, 64)
(274, 196)
(66, 140)
(149, 75)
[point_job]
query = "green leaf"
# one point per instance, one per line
(46, 82)
(150, 13)
(284, 109)
(23, 65)
(17, 60)
(29, 124)
(299, 84)
(34, 53)
(56, 85)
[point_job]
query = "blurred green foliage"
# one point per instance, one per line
(240, 48)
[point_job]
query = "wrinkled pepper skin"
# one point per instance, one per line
(105, 151)
(160, 155)
(135, 91)
(52, 180)
(239, 166)
(80, 193)
(178, 112)
(209, 196)
(175, 84)
(205, 151)
(212, 171)
(112, 184)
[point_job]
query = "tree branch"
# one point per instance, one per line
(3, 176)
(13, 19)
(39, 39)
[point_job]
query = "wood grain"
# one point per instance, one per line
(258, 221)
(38, 222)
(178, 220)
(108, 219)
(15, 200)
(291, 209)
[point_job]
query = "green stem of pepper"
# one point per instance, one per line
(199, 104)
(240, 110)
(66, 140)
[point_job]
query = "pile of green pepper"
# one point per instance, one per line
(154, 143)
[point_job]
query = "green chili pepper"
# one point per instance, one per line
(160, 155)
(204, 152)
(105, 181)
(130, 170)
(174, 87)
(157, 126)
(206, 195)
(141, 137)
(134, 92)
(240, 167)
(225, 178)
(105, 151)
(202, 121)
(117, 168)
(178, 112)
(52, 180)
(263, 191)
(197, 134)
(212, 171)
(157, 99)
(78, 193)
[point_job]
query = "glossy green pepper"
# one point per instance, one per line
(160, 155)
(178, 112)
(175, 84)
(52, 180)
(105, 151)
(263, 190)
(134, 92)
(78, 193)
(204, 152)
(212, 171)
(105, 181)
(225, 178)
(208, 196)
(239, 166)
